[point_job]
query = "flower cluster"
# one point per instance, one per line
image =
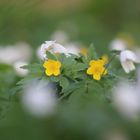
(74, 73)
(53, 67)
(97, 66)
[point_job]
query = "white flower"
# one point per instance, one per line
(52, 47)
(128, 58)
(25, 50)
(18, 52)
(20, 71)
(127, 100)
(73, 48)
(39, 99)
(118, 45)
(115, 135)
(60, 35)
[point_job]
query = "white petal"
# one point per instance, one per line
(138, 79)
(118, 45)
(20, 71)
(128, 66)
(126, 99)
(11, 54)
(39, 98)
(73, 48)
(131, 65)
(40, 53)
(59, 48)
(125, 67)
(129, 55)
(49, 43)
(52, 47)
(61, 36)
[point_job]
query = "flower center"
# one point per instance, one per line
(97, 69)
(52, 67)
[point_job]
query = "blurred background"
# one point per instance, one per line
(24, 26)
(88, 21)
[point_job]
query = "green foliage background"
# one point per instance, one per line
(33, 21)
(99, 21)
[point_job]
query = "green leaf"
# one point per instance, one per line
(34, 68)
(26, 79)
(15, 90)
(50, 55)
(54, 78)
(64, 83)
(70, 89)
(91, 53)
(79, 67)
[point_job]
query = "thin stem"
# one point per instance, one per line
(87, 88)
(111, 59)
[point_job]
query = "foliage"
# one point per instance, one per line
(73, 79)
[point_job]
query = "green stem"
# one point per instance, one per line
(86, 87)
(111, 59)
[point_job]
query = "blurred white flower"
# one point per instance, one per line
(39, 99)
(136, 50)
(118, 45)
(127, 99)
(50, 46)
(11, 54)
(128, 58)
(60, 36)
(73, 48)
(20, 71)
(116, 135)
(25, 49)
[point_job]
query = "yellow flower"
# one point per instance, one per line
(52, 67)
(96, 69)
(84, 51)
(105, 59)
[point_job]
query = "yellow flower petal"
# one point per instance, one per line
(97, 77)
(48, 73)
(104, 72)
(57, 72)
(101, 62)
(45, 64)
(58, 64)
(105, 59)
(84, 51)
(90, 71)
(92, 62)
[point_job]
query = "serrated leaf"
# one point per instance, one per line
(72, 87)
(25, 80)
(66, 61)
(79, 67)
(64, 83)
(91, 52)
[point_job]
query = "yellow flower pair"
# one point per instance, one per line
(96, 68)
